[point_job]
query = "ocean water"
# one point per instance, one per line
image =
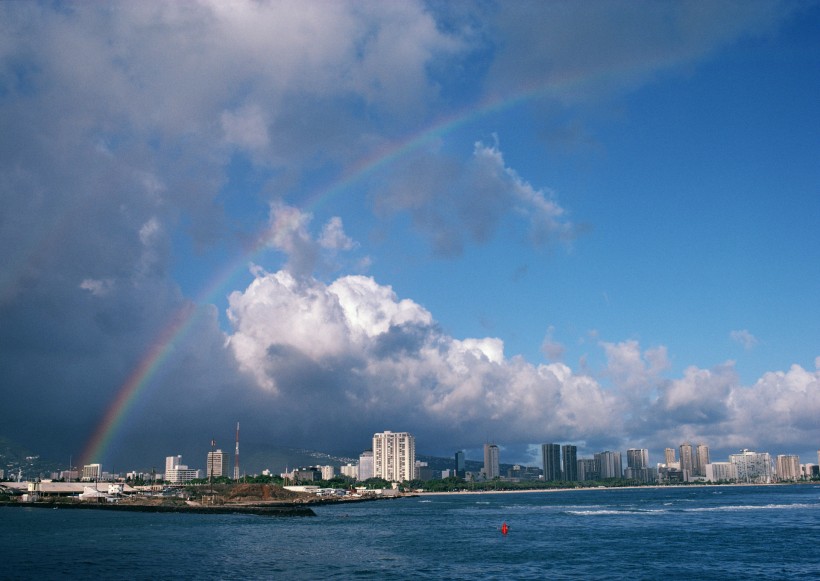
(738, 532)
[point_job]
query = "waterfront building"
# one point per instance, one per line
(788, 467)
(637, 458)
(753, 467)
(328, 472)
(178, 473)
(350, 471)
(92, 472)
(569, 458)
(491, 468)
(461, 464)
(394, 456)
(720, 472)
(687, 460)
(216, 463)
(637, 466)
(609, 464)
(670, 473)
(669, 456)
(366, 465)
(588, 469)
(551, 461)
(701, 459)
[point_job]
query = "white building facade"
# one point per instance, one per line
(788, 467)
(216, 464)
(753, 467)
(394, 456)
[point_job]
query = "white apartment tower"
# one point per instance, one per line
(92, 472)
(753, 467)
(216, 464)
(394, 456)
(176, 472)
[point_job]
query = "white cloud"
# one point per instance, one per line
(744, 338)
(333, 236)
(97, 287)
(387, 357)
(289, 233)
(358, 351)
(552, 349)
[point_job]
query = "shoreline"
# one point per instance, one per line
(603, 488)
(277, 510)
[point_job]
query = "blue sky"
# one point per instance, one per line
(590, 223)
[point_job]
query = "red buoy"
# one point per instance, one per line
(504, 529)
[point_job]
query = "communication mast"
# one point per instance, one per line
(236, 456)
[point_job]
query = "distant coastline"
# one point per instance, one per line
(602, 488)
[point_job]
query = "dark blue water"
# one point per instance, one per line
(766, 532)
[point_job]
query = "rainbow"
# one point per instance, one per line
(157, 354)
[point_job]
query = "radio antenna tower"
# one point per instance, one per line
(236, 456)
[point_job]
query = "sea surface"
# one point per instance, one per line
(725, 532)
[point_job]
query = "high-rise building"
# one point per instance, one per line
(753, 467)
(588, 469)
(669, 456)
(350, 471)
(92, 472)
(461, 464)
(637, 458)
(551, 461)
(171, 462)
(609, 463)
(366, 465)
(216, 463)
(176, 472)
(394, 456)
(721, 472)
(491, 467)
(637, 466)
(236, 455)
(687, 460)
(569, 456)
(788, 467)
(701, 459)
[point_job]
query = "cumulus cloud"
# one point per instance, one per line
(381, 358)
(354, 349)
(289, 233)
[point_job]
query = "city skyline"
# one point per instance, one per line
(477, 221)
